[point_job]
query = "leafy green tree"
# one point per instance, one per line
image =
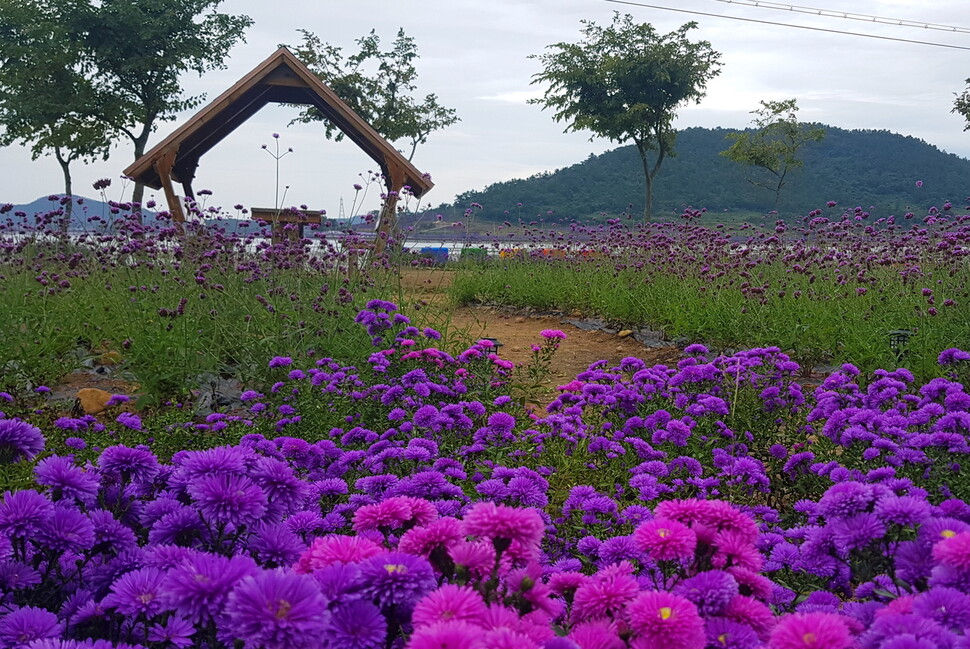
(625, 82)
(46, 100)
(138, 49)
(379, 85)
(961, 105)
(773, 145)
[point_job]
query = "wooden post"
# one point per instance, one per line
(163, 165)
(387, 222)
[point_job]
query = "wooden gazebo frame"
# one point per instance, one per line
(282, 78)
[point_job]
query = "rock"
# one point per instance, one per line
(93, 400)
(625, 333)
(109, 358)
(519, 320)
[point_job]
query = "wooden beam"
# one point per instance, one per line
(163, 167)
(387, 222)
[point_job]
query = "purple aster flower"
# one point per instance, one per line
(198, 586)
(67, 529)
(228, 499)
(356, 624)
(129, 420)
(66, 480)
(947, 606)
(723, 633)
(276, 610)
(396, 578)
(136, 593)
(501, 423)
(22, 626)
(176, 631)
(280, 361)
(276, 545)
(845, 498)
(19, 440)
(710, 591)
(76, 443)
(124, 463)
(23, 512)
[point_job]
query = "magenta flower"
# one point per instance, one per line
(502, 522)
(811, 631)
(666, 539)
(954, 551)
(552, 334)
(328, 550)
(449, 603)
(661, 620)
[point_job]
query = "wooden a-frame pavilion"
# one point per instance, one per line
(282, 78)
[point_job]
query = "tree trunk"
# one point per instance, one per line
(138, 193)
(69, 205)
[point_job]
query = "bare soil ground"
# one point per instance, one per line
(517, 331)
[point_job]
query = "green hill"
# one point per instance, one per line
(858, 167)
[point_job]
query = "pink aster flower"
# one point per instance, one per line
(477, 557)
(328, 550)
(605, 593)
(734, 548)
(750, 611)
(954, 551)
(441, 533)
(596, 635)
(449, 603)
(811, 631)
(394, 513)
(552, 334)
(446, 635)
(666, 539)
(662, 620)
(495, 522)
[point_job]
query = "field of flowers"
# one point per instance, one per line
(832, 287)
(403, 498)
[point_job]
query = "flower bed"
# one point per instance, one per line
(410, 502)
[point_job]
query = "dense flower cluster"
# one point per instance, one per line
(407, 504)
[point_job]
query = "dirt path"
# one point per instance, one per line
(517, 332)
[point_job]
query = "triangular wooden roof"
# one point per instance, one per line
(282, 78)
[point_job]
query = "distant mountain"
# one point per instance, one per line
(858, 167)
(86, 215)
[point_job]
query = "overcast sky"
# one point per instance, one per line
(474, 56)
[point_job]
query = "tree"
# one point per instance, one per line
(378, 85)
(961, 105)
(624, 82)
(46, 101)
(138, 49)
(774, 144)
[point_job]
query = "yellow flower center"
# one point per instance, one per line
(666, 612)
(391, 568)
(948, 534)
(282, 609)
(723, 638)
(808, 639)
(663, 532)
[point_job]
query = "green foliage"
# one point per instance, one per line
(378, 85)
(853, 167)
(104, 68)
(46, 99)
(774, 144)
(961, 105)
(624, 82)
